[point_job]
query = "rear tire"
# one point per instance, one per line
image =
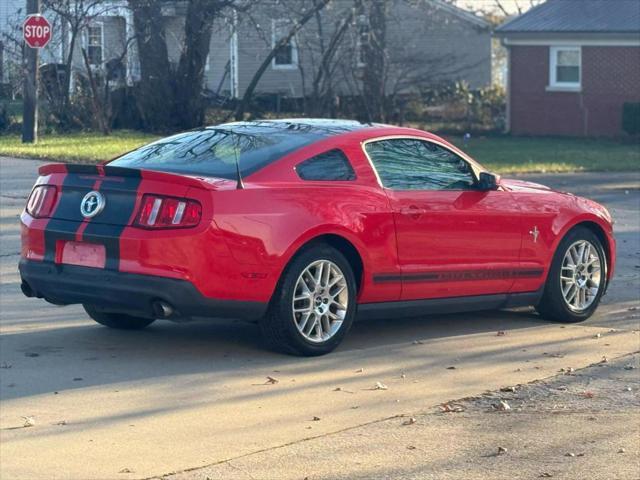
(118, 321)
(575, 285)
(316, 321)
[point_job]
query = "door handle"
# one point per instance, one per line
(413, 211)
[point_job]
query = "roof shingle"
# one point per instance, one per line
(579, 16)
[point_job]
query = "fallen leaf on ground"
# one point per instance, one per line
(451, 408)
(340, 389)
(270, 381)
(409, 421)
(28, 421)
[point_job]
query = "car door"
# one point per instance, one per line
(454, 239)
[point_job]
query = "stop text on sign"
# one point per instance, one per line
(36, 31)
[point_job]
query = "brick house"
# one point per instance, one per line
(572, 65)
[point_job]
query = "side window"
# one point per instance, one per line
(410, 164)
(331, 165)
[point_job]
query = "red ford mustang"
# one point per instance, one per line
(302, 224)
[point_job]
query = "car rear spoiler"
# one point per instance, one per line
(208, 183)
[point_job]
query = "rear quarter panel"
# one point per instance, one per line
(264, 227)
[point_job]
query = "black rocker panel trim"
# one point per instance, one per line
(418, 308)
(458, 276)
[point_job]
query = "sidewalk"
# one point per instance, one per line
(576, 425)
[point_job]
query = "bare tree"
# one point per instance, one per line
(374, 56)
(296, 25)
(74, 17)
(173, 97)
(323, 94)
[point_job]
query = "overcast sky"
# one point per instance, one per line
(487, 5)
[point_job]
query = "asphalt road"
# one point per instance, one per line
(176, 398)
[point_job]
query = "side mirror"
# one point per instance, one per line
(488, 181)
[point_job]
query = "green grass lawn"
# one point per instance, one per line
(520, 154)
(75, 147)
(501, 154)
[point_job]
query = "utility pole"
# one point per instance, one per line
(30, 88)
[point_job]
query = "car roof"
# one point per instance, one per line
(322, 126)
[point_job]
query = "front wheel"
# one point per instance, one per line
(314, 305)
(119, 321)
(577, 278)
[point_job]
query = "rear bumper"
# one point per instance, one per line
(127, 292)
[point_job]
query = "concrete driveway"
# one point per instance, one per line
(173, 398)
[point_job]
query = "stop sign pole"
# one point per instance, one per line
(35, 38)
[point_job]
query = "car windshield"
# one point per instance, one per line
(212, 152)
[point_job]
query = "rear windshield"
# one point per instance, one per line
(212, 152)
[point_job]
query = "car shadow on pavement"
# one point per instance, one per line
(63, 349)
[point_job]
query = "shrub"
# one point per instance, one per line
(631, 118)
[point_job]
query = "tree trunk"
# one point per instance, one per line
(374, 56)
(189, 107)
(155, 97)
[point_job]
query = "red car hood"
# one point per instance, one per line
(520, 186)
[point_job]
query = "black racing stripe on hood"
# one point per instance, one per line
(114, 219)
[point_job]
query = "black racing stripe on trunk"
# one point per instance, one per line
(85, 169)
(114, 219)
(459, 276)
(68, 207)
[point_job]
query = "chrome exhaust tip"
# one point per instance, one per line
(162, 309)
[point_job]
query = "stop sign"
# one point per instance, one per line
(36, 31)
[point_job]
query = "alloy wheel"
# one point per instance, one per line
(320, 301)
(581, 275)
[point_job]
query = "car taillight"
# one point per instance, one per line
(41, 201)
(157, 211)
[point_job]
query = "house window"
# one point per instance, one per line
(95, 42)
(565, 67)
(286, 56)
